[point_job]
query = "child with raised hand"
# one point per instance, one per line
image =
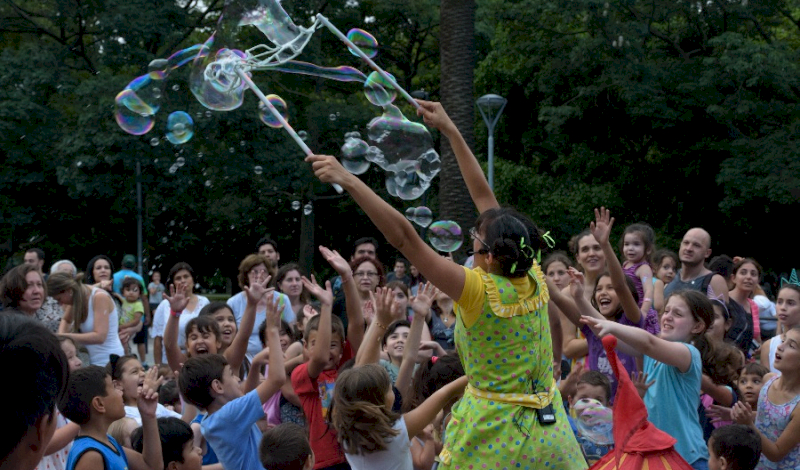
(372, 435)
(208, 382)
(613, 299)
(505, 243)
(673, 360)
(777, 421)
(129, 377)
(93, 402)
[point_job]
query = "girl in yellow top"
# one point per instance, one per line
(512, 414)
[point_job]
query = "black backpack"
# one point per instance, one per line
(741, 331)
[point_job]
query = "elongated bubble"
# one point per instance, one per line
(266, 115)
(343, 73)
(445, 235)
(180, 127)
(365, 41)
(268, 16)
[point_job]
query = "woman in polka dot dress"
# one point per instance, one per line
(511, 415)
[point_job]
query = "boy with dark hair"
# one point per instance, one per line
(593, 393)
(269, 248)
(169, 396)
(734, 447)
(93, 402)
(208, 382)
(32, 355)
(286, 447)
(393, 344)
(177, 445)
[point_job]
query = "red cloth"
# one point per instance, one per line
(637, 442)
(315, 397)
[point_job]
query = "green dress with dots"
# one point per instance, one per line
(507, 355)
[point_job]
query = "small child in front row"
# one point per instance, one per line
(208, 382)
(177, 445)
(733, 447)
(132, 310)
(592, 385)
(92, 401)
(372, 435)
(286, 447)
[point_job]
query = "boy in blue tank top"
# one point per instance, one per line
(92, 402)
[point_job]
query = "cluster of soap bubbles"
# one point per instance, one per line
(445, 235)
(594, 421)
(421, 216)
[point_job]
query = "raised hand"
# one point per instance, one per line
(147, 401)
(742, 413)
(328, 169)
(325, 296)
(179, 297)
(421, 303)
(601, 227)
(383, 299)
(434, 115)
(639, 380)
(600, 327)
(257, 289)
(274, 313)
(337, 262)
(576, 282)
(718, 413)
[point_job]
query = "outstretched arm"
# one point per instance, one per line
(421, 303)
(601, 229)
(177, 303)
(421, 416)
(434, 115)
(355, 317)
(238, 348)
(322, 344)
(445, 274)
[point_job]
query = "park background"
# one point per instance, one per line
(677, 113)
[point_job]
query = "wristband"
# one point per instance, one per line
(174, 313)
(381, 325)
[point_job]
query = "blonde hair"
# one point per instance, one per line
(62, 282)
(118, 430)
(359, 414)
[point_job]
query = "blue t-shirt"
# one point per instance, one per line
(120, 276)
(210, 457)
(672, 404)
(114, 458)
(233, 433)
(238, 302)
(592, 452)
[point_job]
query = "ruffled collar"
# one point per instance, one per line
(504, 298)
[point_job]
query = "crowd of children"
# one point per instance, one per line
(368, 377)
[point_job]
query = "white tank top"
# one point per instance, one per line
(98, 353)
(773, 347)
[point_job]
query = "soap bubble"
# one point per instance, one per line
(258, 170)
(79, 163)
(303, 135)
(208, 183)
(354, 152)
(180, 161)
(180, 127)
(217, 86)
(421, 216)
(136, 105)
(594, 421)
(445, 235)
(307, 209)
(378, 90)
(295, 205)
(332, 117)
(266, 115)
(154, 141)
(176, 87)
(365, 41)
(270, 18)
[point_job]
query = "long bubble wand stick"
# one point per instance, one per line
(366, 59)
(243, 75)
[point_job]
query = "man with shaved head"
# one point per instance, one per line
(693, 275)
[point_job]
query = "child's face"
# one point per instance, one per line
(227, 325)
(678, 323)
(718, 329)
(557, 274)
(633, 247)
(788, 307)
(131, 293)
(713, 459)
(596, 392)
(606, 297)
(666, 271)
(192, 457)
(230, 384)
(286, 341)
(750, 386)
(787, 357)
(114, 405)
(400, 298)
(335, 349)
(396, 343)
(131, 380)
(156, 277)
(73, 361)
(201, 342)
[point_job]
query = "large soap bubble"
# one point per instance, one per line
(594, 421)
(445, 235)
(217, 87)
(365, 41)
(354, 153)
(136, 105)
(421, 216)
(266, 115)
(378, 90)
(180, 127)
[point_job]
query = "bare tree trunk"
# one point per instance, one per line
(457, 51)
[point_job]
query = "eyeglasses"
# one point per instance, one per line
(257, 272)
(365, 274)
(474, 235)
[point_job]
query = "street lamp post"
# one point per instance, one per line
(491, 107)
